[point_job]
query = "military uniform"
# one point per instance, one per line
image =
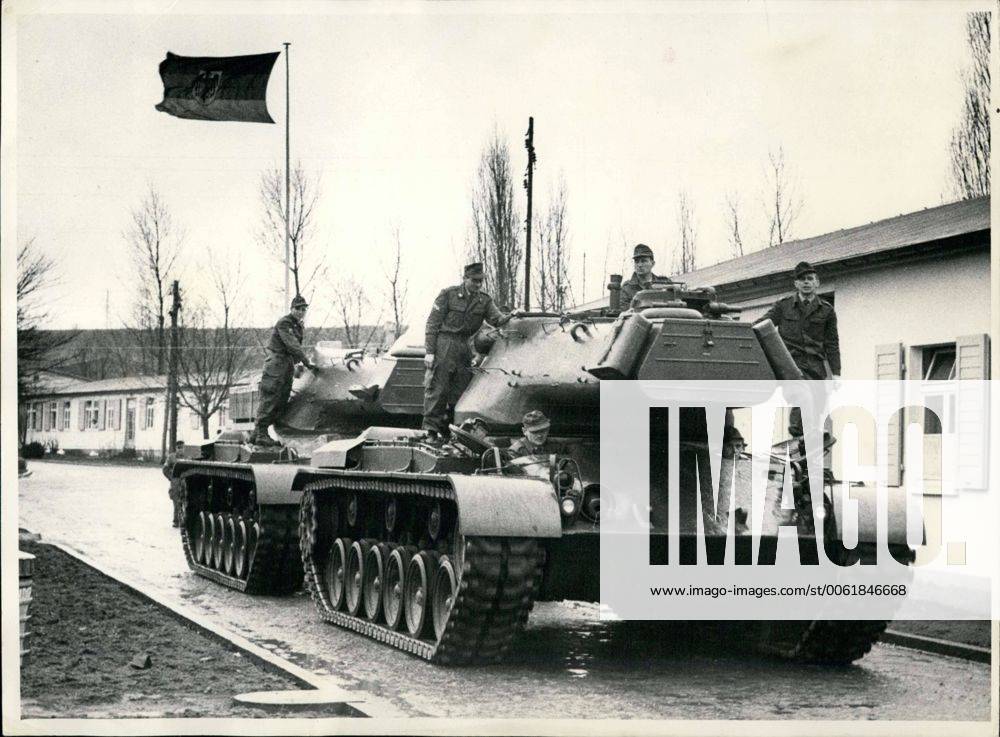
(633, 286)
(809, 331)
(534, 421)
(284, 350)
(456, 316)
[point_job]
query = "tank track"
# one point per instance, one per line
(832, 642)
(498, 579)
(274, 562)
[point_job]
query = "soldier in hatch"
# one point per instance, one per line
(643, 276)
(457, 314)
(535, 434)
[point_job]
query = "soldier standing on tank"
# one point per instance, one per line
(284, 350)
(535, 434)
(643, 276)
(807, 325)
(457, 314)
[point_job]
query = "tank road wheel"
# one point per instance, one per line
(200, 537)
(229, 548)
(253, 537)
(416, 592)
(356, 559)
(218, 543)
(336, 572)
(374, 575)
(392, 585)
(445, 589)
(209, 538)
(241, 550)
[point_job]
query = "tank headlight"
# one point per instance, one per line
(568, 506)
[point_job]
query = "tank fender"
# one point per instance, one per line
(498, 506)
(866, 496)
(275, 483)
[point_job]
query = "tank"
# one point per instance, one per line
(441, 550)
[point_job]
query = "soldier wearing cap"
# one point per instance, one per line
(457, 314)
(535, 432)
(284, 350)
(643, 276)
(808, 326)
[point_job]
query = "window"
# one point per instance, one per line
(109, 414)
(92, 412)
(939, 363)
(32, 417)
(150, 412)
(53, 416)
(66, 411)
(195, 419)
(222, 416)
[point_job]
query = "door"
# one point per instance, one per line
(130, 423)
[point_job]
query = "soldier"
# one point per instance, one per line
(457, 314)
(808, 327)
(643, 276)
(535, 432)
(284, 350)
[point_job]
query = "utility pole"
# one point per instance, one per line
(288, 149)
(175, 344)
(584, 278)
(529, 143)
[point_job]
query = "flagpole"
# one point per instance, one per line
(288, 187)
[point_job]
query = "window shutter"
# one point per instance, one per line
(102, 411)
(81, 409)
(972, 368)
(118, 416)
(889, 368)
(45, 416)
(59, 415)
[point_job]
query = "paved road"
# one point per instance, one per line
(568, 664)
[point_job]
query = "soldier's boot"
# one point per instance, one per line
(263, 440)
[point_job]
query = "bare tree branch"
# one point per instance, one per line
(686, 255)
(398, 285)
(494, 237)
(304, 265)
(733, 227)
(970, 139)
(782, 204)
(553, 286)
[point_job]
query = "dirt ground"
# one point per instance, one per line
(87, 628)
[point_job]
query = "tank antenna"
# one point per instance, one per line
(529, 144)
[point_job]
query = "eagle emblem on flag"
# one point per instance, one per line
(206, 86)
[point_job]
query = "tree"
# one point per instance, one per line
(553, 290)
(686, 236)
(398, 286)
(303, 265)
(782, 204)
(155, 245)
(353, 307)
(732, 216)
(37, 349)
(214, 353)
(496, 223)
(970, 139)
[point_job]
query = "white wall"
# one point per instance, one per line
(919, 304)
(112, 438)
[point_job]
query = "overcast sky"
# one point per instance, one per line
(392, 104)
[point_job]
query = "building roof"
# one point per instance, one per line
(904, 231)
(51, 385)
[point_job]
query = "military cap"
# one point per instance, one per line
(473, 270)
(642, 251)
(802, 268)
(535, 420)
(473, 423)
(299, 301)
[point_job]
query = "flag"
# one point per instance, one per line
(217, 87)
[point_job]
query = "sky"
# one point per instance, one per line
(391, 105)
